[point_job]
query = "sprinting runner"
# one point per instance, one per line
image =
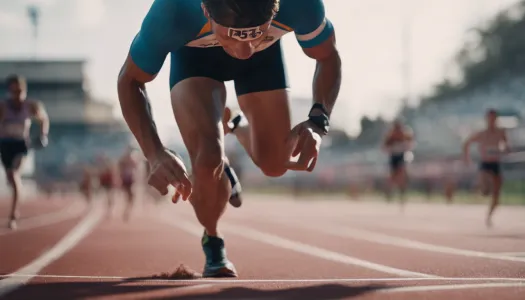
(128, 169)
(211, 42)
(398, 141)
(108, 175)
(87, 181)
(16, 113)
(492, 144)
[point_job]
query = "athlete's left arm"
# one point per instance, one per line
(505, 140)
(316, 35)
(39, 113)
(411, 141)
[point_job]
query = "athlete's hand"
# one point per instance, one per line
(38, 142)
(305, 141)
(43, 140)
(168, 169)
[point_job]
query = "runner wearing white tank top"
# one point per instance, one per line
(16, 113)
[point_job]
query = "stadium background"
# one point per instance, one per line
(492, 68)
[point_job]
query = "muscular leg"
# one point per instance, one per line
(128, 190)
(269, 125)
(198, 105)
(485, 182)
(15, 181)
(496, 188)
(402, 178)
(110, 194)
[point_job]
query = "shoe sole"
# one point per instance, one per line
(220, 273)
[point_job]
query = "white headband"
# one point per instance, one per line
(245, 34)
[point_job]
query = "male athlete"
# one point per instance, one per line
(109, 180)
(128, 165)
(210, 42)
(398, 141)
(492, 144)
(16, 113)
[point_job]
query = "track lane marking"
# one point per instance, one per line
(389, 240)
(71, 211)
(70, 240)
(283, 243)
(449, 287)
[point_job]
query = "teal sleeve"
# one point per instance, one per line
(310, 24)
(167, 27)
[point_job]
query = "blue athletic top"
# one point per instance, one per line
(172, 24)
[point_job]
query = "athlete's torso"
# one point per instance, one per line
(490, 144)
(172, 24)
(398, 141)
(16, 121)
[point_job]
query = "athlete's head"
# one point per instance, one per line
(240, 25)
(16, 87)
(397, 124)
(492, 117)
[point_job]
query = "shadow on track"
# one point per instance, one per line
(500, 236)
(86, 290)
(325, 291)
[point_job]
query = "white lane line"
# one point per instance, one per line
(277, 281)
(73, 237)
(280, 242)
(51, 201)
(379, 238)
(69, 212)
(432, 288)
(510, 253)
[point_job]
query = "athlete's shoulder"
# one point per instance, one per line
(167, 26)
(307, 18)
(167, 17)
(476, 135)
(33, 103)
(35, 106)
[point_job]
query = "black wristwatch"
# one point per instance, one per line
(322, 121)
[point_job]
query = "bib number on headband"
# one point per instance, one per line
(245, 34)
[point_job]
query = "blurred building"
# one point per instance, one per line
(80, 125)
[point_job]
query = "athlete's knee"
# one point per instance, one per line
(208, 163)
(271, 167)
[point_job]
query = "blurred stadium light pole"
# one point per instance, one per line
(33, 13)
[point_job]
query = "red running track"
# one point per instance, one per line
(282, 248)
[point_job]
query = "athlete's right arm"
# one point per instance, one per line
(145, 59)
(384, 143)
(466, 146)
